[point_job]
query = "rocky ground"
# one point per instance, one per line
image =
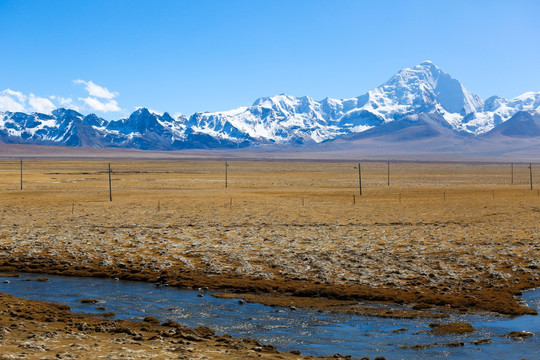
(452, 236)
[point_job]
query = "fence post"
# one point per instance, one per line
(388, 176)
(110, 183)
(360, 178)
(512, 167)
(530, 174)
(226, 175)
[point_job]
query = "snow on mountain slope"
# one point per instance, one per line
(498, 110)
(422, 88)
(524, 124)
(280, 118)
(409, 128)
(285, 119)
(288, 119)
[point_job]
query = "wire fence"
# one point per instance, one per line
(309, 181)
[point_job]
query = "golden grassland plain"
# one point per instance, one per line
(458, 237)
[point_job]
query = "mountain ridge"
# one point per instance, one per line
(423, 90)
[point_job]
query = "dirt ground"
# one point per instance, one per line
(456, 236)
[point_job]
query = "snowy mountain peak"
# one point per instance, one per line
(66, 112)
(425, 73)
(427, 87)
(422, 96)
(282, 101)
(142, 111)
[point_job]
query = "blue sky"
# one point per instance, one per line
(109, 57)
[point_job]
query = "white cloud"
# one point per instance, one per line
(19, 95)
(96, 90)
(7, 103)
(40, 104)
(97, 105)
(99, 99)
(68, 103)
(16, 101)
(13, 101)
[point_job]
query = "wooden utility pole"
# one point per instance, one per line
(360, 178)
(21, 174)
(388, 177)
(530, 174)
(226, 166)
(512, 167)
(110, 184)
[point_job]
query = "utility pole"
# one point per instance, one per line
(360, 178)
(388, 177)
(21, 174)
(226, 166)
(530, 174)
(512, 173)
(110, 184)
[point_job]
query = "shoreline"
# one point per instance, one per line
(34, 329)
(35, 321)
(304, 295)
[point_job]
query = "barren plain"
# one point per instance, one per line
(458, 237)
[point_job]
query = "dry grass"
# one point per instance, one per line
(446, 234)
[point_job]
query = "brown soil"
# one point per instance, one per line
(335, 306)
(519, 334)
(452, 328)
(10, 275)
(452, 344)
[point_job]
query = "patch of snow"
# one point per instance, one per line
(360, 128)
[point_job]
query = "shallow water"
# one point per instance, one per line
(311, 332)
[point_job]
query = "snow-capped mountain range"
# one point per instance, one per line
(282, 119)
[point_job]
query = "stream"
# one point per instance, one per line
(311, 332)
